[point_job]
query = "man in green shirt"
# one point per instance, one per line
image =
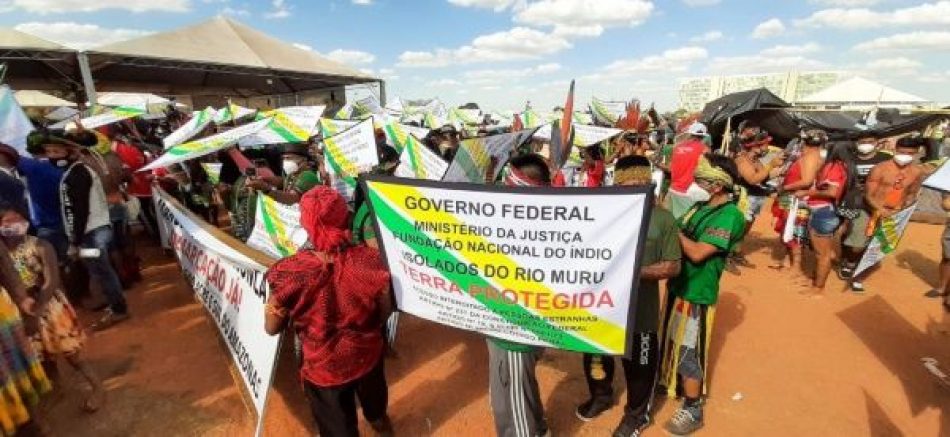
(661, 260)
(708, 232)
(513, 386)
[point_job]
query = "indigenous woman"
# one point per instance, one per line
(57, 331)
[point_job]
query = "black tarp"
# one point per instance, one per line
(764, 109)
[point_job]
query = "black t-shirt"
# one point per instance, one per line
(864, 167)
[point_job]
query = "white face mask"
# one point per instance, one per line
(903, 160)
(290, 166)
(823, 154)
(15, 230)
(866, 148)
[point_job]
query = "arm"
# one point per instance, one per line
(285, 197)
(660, 270)
(9, 278)
(871, 188)
(945, 202)
(913, 191)
(275, 317)
(749, 172)
(696, 251)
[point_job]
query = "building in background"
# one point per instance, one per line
(695, 92)
(860, 94)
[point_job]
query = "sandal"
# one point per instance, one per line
(857, 287)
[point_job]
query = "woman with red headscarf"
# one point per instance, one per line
(336, 296)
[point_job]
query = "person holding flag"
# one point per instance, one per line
(299, 176)
(683, 191)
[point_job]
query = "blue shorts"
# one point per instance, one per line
(824, 221)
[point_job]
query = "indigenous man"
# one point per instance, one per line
(299, 177)
(753, 174)
(708, 231)
(662, 258)
(683, 191)
(867, 156)
(513, 387)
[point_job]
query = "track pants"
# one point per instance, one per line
(641, 373)
(513, 389)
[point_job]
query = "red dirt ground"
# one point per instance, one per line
(845, 365)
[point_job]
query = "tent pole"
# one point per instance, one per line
(87, 83)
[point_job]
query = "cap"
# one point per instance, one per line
(697, 129)
(448, 129)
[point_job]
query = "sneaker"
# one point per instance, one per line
(592, 408)
(630, 427)
(857, 287)
(845, 272)
(109, 320)
(683, 423)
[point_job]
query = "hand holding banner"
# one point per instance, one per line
(418, 162)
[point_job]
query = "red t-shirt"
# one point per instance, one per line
(835, 174)
(683, 162)
(133, 159)
(334, 311)
(594, 174)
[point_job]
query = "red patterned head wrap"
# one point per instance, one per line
(323, 214)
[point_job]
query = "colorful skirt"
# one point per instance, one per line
(780, 211)
(686, 343)
(22, 379)
(60, 332)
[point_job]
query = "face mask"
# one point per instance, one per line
(865, 148)
(445, 145)
(823, 154)
(290, 166)
(62, 163)
(15, 230)
(903, 159)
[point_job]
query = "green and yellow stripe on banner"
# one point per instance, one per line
(474, 159)
(399, 136)
(282, 125)
(415, 157)
(387, 199)
(276, 231)
(344, 168)
(128, 111)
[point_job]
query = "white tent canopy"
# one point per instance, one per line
(861, 91)
(33, 98)
(137, 100)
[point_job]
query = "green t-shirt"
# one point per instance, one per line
(302, 182)
(721, 226)
(362, 227)
(662, 244)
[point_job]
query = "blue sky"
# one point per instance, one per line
(501, 53)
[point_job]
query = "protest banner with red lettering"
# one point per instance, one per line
(232, 288)
(538, 266)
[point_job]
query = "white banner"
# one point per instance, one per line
(474, 156)
(584, 135)
(940, 179)
(348, 154)
(233, 290)
(330, 127)
(550, 267)
(418, 162)
(109, 116)
(293, 124)
(206, 145)
(885, 239)
(397, 134)
(198, 122)
(232, 112)
(277, 231)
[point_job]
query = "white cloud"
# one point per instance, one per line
(303, 46)
(943, 77)
(496, 5)
(762, 64)
(791, 50)
(844, 3)
(899, 66)
(936, 14)
(713, 35)
(443, 83)
(700, 3)
(673, 60)
(584, 17)
(351, 57)
(280, 9)
(935, 41)
(43, 7)
(363, 2)
(490, 76)
(768, 29)
(77, 35)
(237, 12)
(516, 43)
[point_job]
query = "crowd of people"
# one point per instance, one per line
(66, 212)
